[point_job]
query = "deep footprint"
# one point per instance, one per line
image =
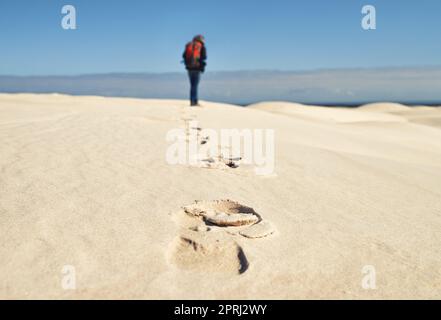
(209, 231)
(210, 252)
(223, 212)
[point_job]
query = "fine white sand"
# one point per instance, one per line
(84, 183)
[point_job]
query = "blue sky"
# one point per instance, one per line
(148, 36)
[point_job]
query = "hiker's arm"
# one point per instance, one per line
(203, 58)
(203, 54)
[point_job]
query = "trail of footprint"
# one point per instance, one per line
(208, 233)
(193, 132)
(224, 161)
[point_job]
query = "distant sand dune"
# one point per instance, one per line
(330, 114)
(424, 115)
(384, 107)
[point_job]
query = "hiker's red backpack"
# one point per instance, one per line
(193, 55)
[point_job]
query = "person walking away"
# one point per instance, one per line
(195, 56)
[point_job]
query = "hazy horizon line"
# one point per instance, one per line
(298, 71)
(319, 104)
(349, 86)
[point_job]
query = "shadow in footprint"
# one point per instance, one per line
(204, 140)
(232, 165)
(208, 209)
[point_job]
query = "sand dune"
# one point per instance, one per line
(384, 107)
(425, 115)
(336, 115)
(84, 183)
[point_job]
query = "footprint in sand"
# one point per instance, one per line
(209, 251)
(219, 162)
(204, 140)
(209, 230)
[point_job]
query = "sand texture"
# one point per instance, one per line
(84, 183)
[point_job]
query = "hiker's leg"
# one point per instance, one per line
(190, 76)
(195, 84)
(194, 87)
